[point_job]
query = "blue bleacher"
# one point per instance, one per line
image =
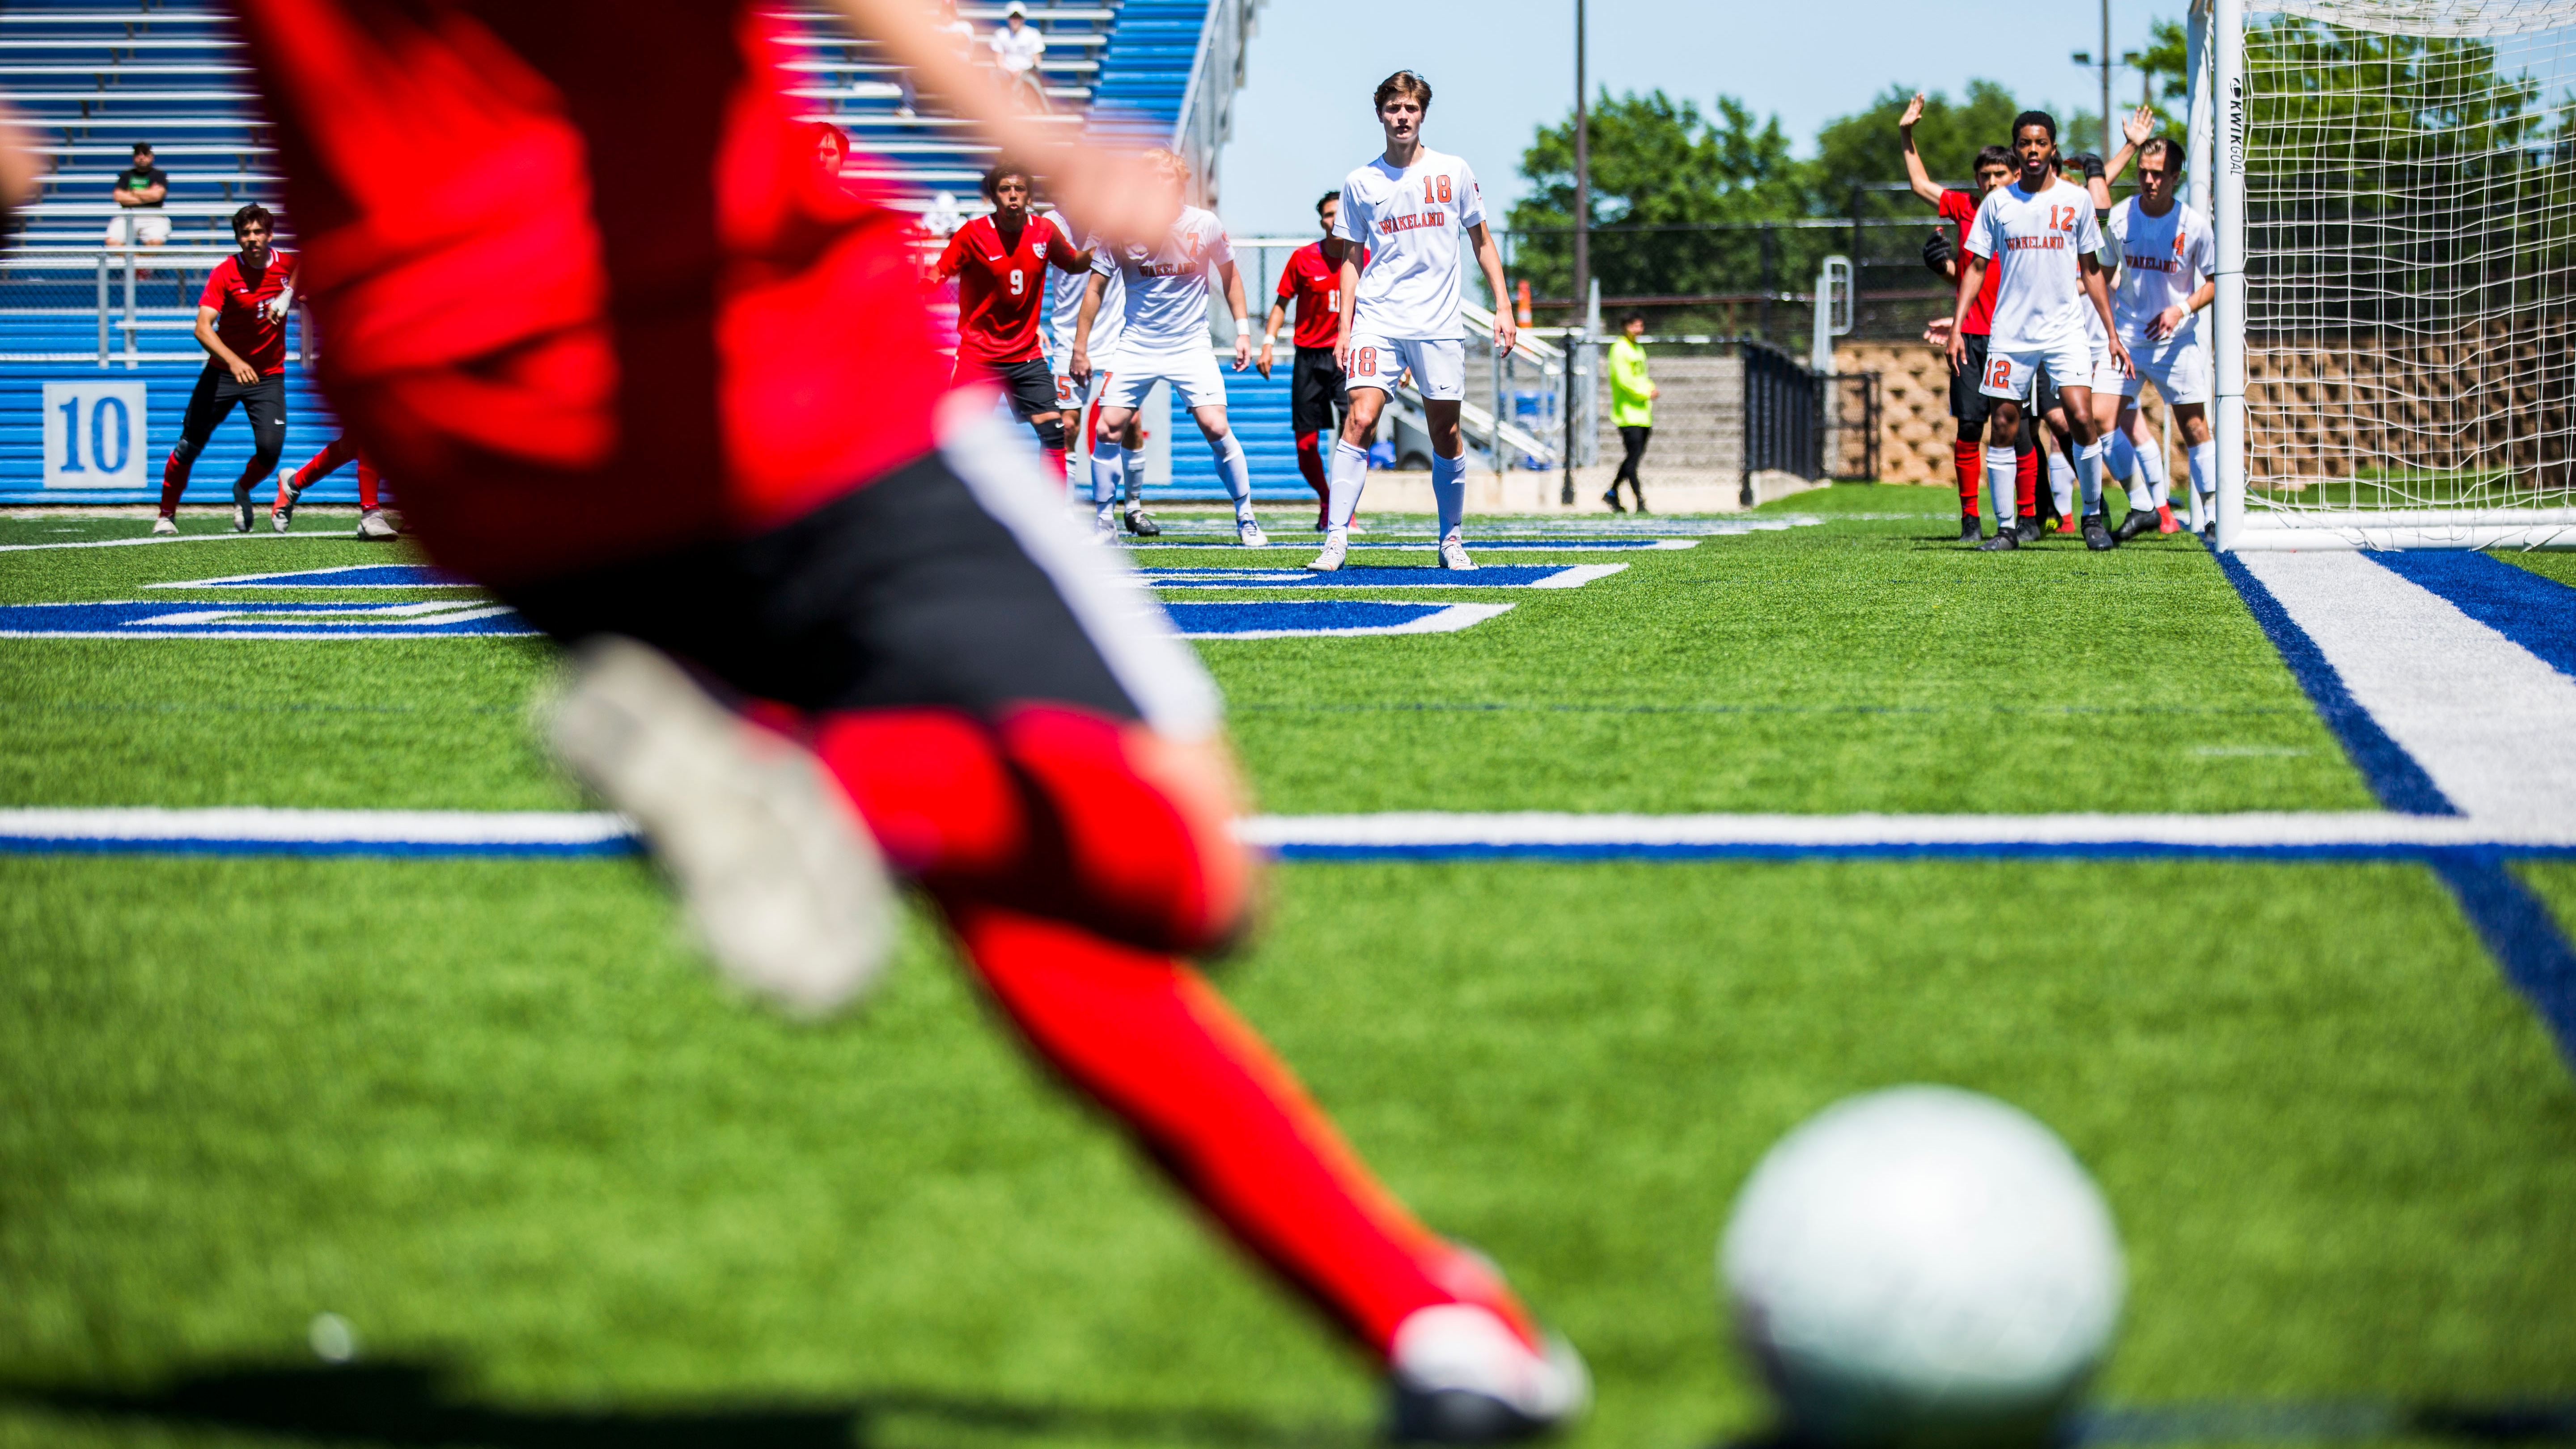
(93, 76)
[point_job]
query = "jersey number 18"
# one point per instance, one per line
(1433, 194)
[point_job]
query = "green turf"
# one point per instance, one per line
(2558, 564)
(492, 1116)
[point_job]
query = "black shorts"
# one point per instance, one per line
(263, 402)
(1318, 393)
(1967, 404)
(919, 589)
(1030, 384)
(2043, 390)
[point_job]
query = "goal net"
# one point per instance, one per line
(2396, 220)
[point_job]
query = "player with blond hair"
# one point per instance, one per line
(1409, 208)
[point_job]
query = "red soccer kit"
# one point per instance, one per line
(1959, 208)
(1001, 289)
(241, 310)
(1316, 286)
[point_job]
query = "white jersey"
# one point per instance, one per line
(1166, 306)
(2036, 239)
(1413, 221)
(1064, 306)
(2162, 260)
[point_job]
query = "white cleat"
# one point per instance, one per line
(1453, 554)
(1336, 545)
(1459, 1375)
(1249, 534)
(241, 511)
(1103, 532)
(778, 874)
(373, 526)
(283, 512)
(165, 524)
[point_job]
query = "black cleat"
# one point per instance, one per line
(1971, 531)
(2029, 528)
(2096, 537)
(2005, 540)
(1142, 524)
(2140, 520)
(1612, 498)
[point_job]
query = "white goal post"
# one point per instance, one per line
(2394, 332)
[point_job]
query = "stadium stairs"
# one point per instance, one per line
(92, 77)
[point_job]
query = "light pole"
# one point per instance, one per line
(1582, 246)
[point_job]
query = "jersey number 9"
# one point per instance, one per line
(1019, 282)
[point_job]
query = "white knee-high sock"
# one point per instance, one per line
(2151, 466)
(1342, 484)
(2001, 468)
(1449, 491)
(2061, 483)
(1135, 475)
(2121, 457)
(2204, 483)
(1235, 471)
(2088, 474)
(1107, 466)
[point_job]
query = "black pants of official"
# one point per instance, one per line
(1632, 442)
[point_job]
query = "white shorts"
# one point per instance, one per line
(2178, 366)
(2012, 373)
(1194, 376)
(1439, 365)
(138, 228)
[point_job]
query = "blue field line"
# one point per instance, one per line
(2392, 774)
(348, 576)
(1894, 850)
(2537, 613)
(2519, 932)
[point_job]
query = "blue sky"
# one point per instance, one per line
(1500, 67)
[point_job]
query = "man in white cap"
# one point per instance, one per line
(1016, 48)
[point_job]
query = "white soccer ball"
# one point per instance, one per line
(1922, 1266)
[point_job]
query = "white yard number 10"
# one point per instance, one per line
(95, 435)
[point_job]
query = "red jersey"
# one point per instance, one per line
(1000, 288)
(241, 310)
(1316, 284)
(587, 301)
(1960, 209)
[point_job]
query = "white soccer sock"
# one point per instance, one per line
(2002, 474)
(2121, 457)
(2204, 484)
(1449, 491)
(1135, 476)
(1236, 473)
(2088, 474)
(1106, 468)
(2061, 484)
(1342, 485)
(2151, 464)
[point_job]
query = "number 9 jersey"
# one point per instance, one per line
(1000, 287)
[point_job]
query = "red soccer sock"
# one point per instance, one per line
(1970, 459)
(1148, 1039)
(1054, 461)
(367, 480)
(2026, 482)
(1310, 462)
(174, 481)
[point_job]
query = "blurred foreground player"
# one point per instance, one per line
(372, 523)
(241, 322)
(646, 444)
(1000, 262)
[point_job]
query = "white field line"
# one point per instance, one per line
(257, 535)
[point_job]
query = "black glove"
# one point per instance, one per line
(1939, 251)
(2088, 163)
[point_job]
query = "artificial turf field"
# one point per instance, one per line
(495, 1116)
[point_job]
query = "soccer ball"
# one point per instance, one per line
(1922, 1266)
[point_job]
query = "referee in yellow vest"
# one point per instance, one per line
(1632, 407)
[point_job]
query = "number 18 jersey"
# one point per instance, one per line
(1413, 221)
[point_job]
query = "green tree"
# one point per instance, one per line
(1857, 151)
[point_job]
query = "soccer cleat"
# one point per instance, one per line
(2005, 540)
(1612, 498)
(165, 524)
(2165, 519)
(241, 509)
(778, 874)
(1249, 534)
(1459, 1375)
(2096, 537)
(1336, 544)
(1142, 524)
(1971, 531)
(1453, 554)
(2138, 522)
(2209, 531)
(2029, 528)
(375, 527)
(1103, 531)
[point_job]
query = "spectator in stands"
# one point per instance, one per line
(1016, 48)
(140, 189)
(831, 149)
(1632, 407)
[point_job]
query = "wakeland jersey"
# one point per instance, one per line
(1167, 284)
(1000, 284)
(2162, 260)
(1413, 221)
(2036, 239)
(1064, 308)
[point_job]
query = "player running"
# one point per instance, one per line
(1165, 340)
(241, 322)
(1077, 400)
(1994, 166)
(1316, 386)
(372, 523)
(898, 656)
(1410, 205)
(2163, 251)
(1000, 261)
(2039, 232)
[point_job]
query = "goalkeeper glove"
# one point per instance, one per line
(1939, 251)
(2088, 163)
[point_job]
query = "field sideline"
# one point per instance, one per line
(493, 1114)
